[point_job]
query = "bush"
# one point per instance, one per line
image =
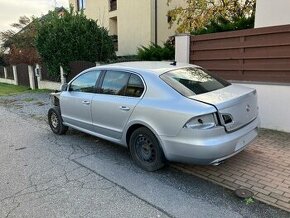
(156, 52)
(71, 37)
(120, 59)
(222, 25)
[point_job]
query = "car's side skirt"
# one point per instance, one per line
(95, 134)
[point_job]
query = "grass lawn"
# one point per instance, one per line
(7, 89)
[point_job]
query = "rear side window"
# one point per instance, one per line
(115, 83)
(193, 81)
(135, 86)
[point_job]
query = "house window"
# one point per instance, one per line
(113, 5)
(169, 19)
(113, 30)
(81, 4)
(115, 41)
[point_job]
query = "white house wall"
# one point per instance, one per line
(135, 21)
(272, 13)
(274, 105)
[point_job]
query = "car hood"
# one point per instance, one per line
(235, 101)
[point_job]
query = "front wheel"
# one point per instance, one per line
(55, 121)
(145, 150)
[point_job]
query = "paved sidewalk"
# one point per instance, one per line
(264, 168)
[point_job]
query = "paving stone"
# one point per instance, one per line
(263, 167)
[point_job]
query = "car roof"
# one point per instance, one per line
(157, 67)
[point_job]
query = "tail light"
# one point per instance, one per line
(202, 122)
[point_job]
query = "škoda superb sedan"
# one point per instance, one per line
(160, 111)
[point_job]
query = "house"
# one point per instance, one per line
(272, 13)
(132, 23)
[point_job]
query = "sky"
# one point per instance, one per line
(11, 10)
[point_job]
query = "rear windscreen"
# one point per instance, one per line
(193, 81)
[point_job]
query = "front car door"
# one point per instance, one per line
(76, 102)
(119, 93)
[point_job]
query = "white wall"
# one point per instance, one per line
(43, 84)
(162, 22)
(8, 81)
(182, 48)
(274, 105)
(272, 13)
(134, 25)
(135, 21)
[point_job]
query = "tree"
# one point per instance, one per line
(19, 42)
(198, 13)
(71, 37)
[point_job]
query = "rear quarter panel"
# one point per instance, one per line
(164, 110)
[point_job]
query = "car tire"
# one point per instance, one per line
(145, 150)
(55, 121)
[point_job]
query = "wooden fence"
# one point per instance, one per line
(22, 74)
(46, 76)
(76, 67)
(261, 54)
(2, 75)
(10, 74)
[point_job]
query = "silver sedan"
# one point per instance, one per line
(161, 111)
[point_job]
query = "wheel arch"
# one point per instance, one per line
(137, 124)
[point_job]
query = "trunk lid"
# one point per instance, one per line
(236, 105)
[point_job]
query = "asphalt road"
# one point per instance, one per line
(76, 175)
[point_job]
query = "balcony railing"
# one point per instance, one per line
(113, 5)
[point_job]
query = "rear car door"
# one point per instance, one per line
(119, 93)
(76, 102)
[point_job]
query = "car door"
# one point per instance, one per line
(76, 102)
(119, 93)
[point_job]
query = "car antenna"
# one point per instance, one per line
(173, 63)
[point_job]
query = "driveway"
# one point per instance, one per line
(263, 168)
(76, 175)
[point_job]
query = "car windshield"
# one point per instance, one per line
(193, 81)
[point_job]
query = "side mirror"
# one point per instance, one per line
(63, 87)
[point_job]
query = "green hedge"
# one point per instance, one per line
(156, 52)
(221, 24)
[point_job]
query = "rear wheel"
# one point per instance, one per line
(145, 150)
(55, 121)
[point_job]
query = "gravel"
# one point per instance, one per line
(32, 104)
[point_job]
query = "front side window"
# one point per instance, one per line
(193, 81)
(86, 82)
(81, 4)
(115, 83)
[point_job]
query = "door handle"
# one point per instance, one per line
(124, 108)
(86, 102)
